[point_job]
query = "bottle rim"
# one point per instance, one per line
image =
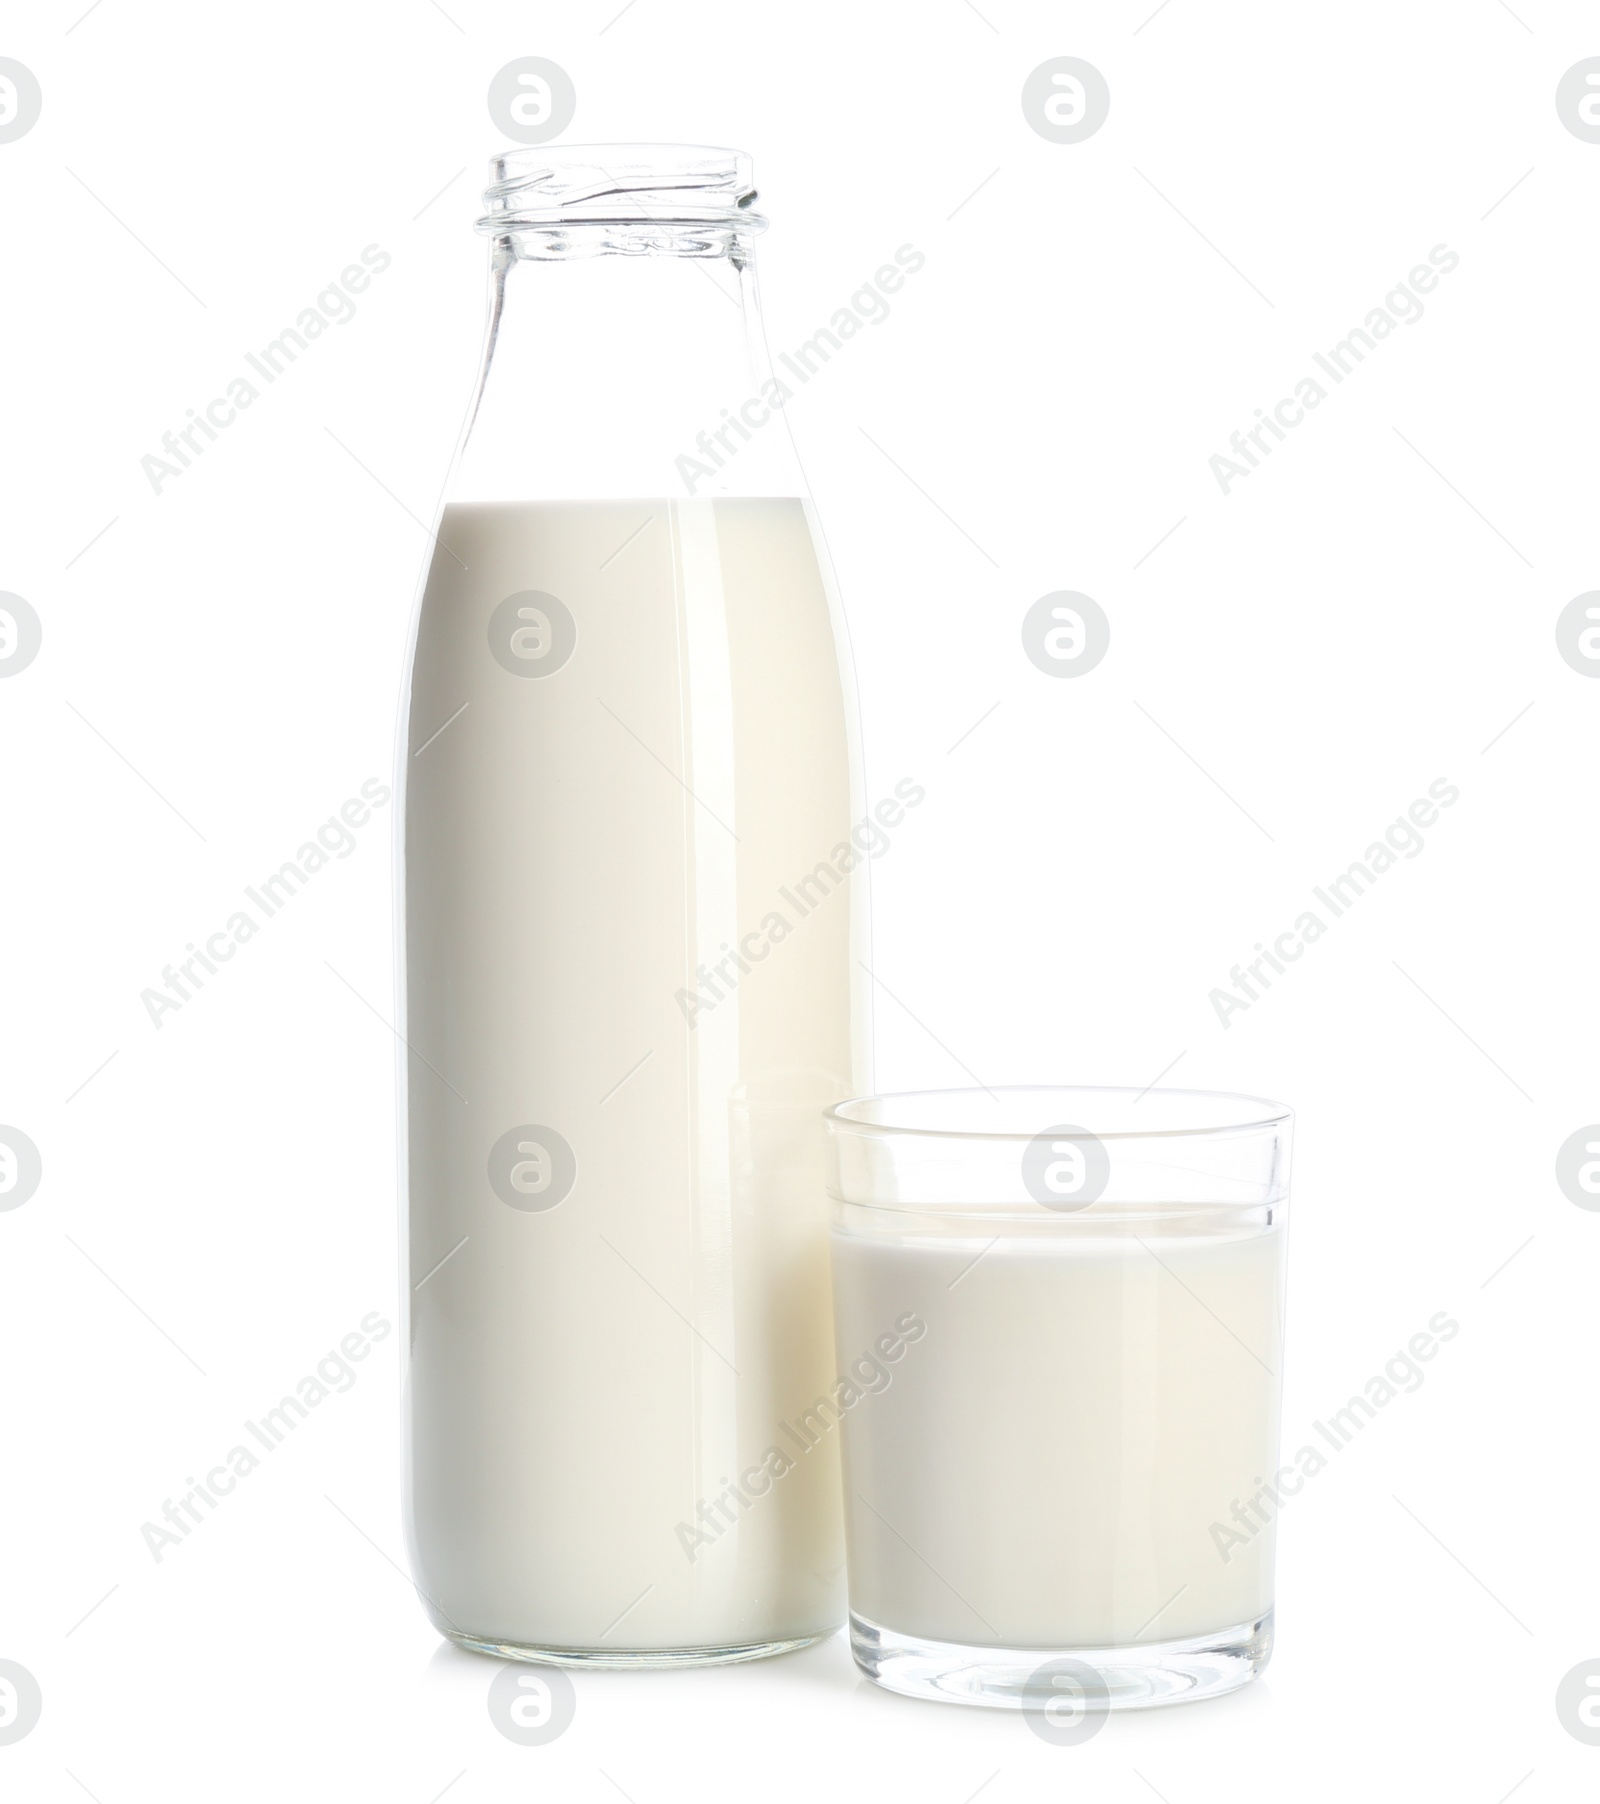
(566, 185)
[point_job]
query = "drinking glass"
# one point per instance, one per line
(1059, 1320)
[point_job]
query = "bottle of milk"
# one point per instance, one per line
(631, 941)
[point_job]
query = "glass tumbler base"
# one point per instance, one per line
(1097, 1679)
(625, 1659)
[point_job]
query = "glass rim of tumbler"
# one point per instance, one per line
(1055, 1153)
(842, 1112)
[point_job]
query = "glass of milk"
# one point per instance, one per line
(1059, 1321)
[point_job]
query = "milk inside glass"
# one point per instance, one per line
(607, 935)
(1043, 1467)
(1063, 1308)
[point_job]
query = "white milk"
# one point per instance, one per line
(1044, 1464)
(594, 1384)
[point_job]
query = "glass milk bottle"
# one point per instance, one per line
(628, 736)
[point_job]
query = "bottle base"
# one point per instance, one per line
(1086, 1682)
(628, 1660)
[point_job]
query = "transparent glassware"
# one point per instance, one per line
(628, 736)
(1059, 1313)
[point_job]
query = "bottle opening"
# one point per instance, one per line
(666, 189)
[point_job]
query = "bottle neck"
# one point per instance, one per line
(624, 360)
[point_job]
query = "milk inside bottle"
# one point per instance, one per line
(632, 923)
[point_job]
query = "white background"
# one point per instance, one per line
(1294, 664)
